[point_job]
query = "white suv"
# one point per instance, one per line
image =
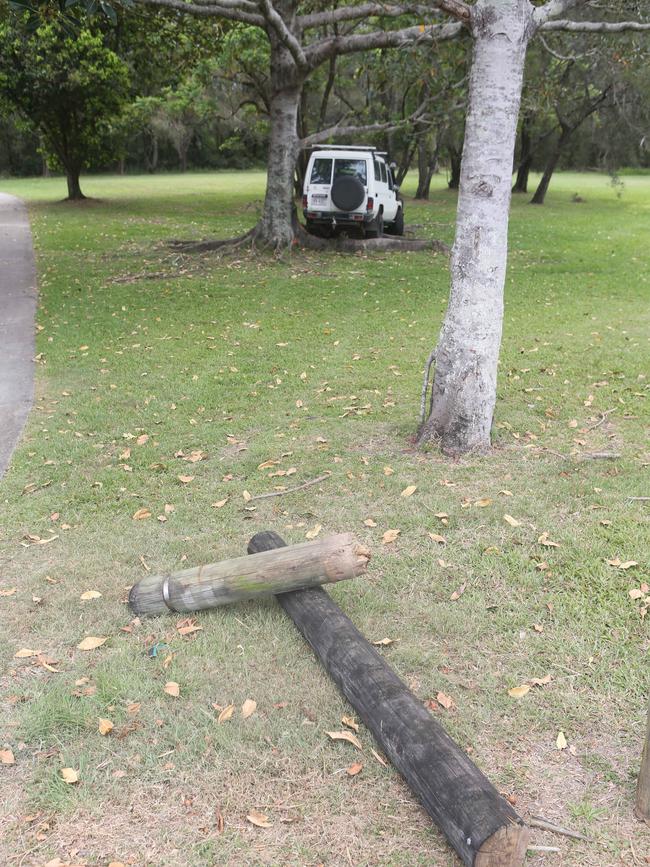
(349, 186)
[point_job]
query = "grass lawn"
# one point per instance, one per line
(314, 362)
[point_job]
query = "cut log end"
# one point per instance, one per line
(506, 848)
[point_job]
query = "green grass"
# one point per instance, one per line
(315, 361)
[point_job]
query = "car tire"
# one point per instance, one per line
(348, 193)
(375, 229)
(397, 226)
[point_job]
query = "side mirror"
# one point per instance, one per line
(393, 165)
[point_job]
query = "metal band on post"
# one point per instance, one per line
(165, 593)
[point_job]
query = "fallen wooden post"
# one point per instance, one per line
(479, 823)
(333, 558)
(643, 783)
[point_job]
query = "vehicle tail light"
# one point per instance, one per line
(370, 204)
(304, 201)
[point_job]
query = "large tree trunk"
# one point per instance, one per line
(464, 387)
(549, 168)
(276, 227)
(525, 156)
(74, 189)
(427, 165)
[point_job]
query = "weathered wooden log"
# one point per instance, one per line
(333, 558)
(479, 823)
(643, 783)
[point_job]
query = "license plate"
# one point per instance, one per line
(319, 198)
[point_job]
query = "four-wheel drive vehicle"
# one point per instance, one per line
(349, 186)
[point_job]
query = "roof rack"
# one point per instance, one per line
(330, 147)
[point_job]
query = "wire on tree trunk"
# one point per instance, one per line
(425, 386)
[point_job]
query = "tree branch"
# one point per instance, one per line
(455, 8)
(338, 129)
(553, 8)
(596, 26)
(213, 10)
(284, 34)
(318, 52)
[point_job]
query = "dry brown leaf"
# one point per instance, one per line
(185, 480)
(25, 653)
(69, 775)
(141, 514)
(7, 757)
(172, 688)
(345, 736)
(248, 708)
(636, 593)
(247, 497)
(408, 492)
(142, 439)
(483, 502)
(350, 722)
(628, 564)
(169, 508)
(104, 726)
(458, 593)
(196, 455)
(390, 536)
(91, 642)
(226, 714)
(519, 691)
(544, 540)
(10, 591)
(311, 534)
(505, 493)
(383, 642)
(380, 759)
(445, 700)
(259, 819)
(220, 503)
(388, 471)
(438, 538)
(561, 741)
(368, 522)
(512, 521)
(541, 681)
(354, 769)
(90, 594)
(188, 626)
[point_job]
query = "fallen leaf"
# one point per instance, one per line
(561, 742)
(141, 514)
(172, 688)
(185, 479)
(519, 691)
(248, 708)
(483, 502)
(188, 626)
(390, 536)
(345, 736)
(169, 508)
(388, 471)
(408, 492)
(259, 819)
(380, 759)
(91, 642)
(220, 503)
(445, 700)
(69, 775)
(311, 534)
(354, 769)
(9, 591)
(368, 522)
(505, 493)
(544, 540)
(636, 593)
(383, 642)
(7, 757)
(541, 681)
(247, 497)
(226, 713)
(350, 722)
(458, 593)
(90, 594)
(438, 538)
(196, 455)
(512, 521)
(25, 653)
(104, 726)
(142, 439)
(628, 564)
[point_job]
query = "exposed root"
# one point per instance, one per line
(309, 242)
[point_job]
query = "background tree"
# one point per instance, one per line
(68, 86)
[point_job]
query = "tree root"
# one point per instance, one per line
(303, 239)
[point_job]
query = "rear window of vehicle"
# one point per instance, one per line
(321, 171)
(351, 169)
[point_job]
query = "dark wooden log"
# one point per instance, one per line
(324, 561)
(643, 783)
(479, 823)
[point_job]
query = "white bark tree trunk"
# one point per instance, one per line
(277, 224)
(464, 386)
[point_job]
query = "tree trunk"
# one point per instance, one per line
(525, 156)
(455, 162)
(549, 168)
(643, 783)
(464, 386)
(74, 188)
(276, 226)
(427, 164)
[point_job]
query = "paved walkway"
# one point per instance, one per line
(18, 296)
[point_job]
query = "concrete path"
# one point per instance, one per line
(18, 296)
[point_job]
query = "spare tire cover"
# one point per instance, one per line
(348, 193)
